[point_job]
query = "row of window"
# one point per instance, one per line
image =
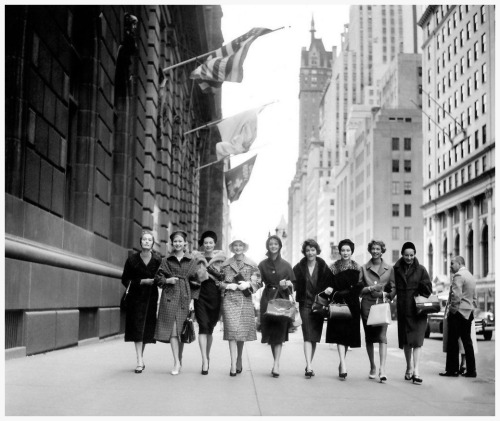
(395, 236)
(406, 143)
(395, 165)
(407, 210)
(406, 187)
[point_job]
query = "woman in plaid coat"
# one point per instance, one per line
(178, 277)
(241, 279)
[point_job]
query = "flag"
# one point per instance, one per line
(237, 178)
(237, 133)
(226, 63)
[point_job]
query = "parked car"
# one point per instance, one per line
(485, 323)
(435, 320)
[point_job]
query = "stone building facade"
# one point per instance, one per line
(95, 152)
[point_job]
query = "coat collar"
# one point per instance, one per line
(400, 267)
(382, 268)
(232, 262)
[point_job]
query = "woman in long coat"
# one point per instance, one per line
(375, 274)
(241, 279)
(312, 276)
(178, 277)
(140, 318)
(410, 279)
(277, 276)
(346, 288)
(207, 305)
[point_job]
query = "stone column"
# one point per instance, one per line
(476, 261)
(438, 252)
(491, 234)
(449, 235)
(461, 229)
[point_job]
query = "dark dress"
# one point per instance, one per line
(307, 287)
(175, 298)
(140, 319)
(274, 331)
(410, 281)
(346, 286)
(207, 306)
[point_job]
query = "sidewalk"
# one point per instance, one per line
(98, 379)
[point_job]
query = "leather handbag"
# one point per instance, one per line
(280, 308)
(379, 315)
(339, 311)
(297, 321)
(123, 301)
(188, 334)
(427, 305)
(320, 304)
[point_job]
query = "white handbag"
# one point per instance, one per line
(380, 314)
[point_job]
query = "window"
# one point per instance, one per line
(395, 187)
(469, 86)
(483, 73)
(483, 14)
(407, 234)
(395, 143)
(475, 20)
(407, 187)
(455, 46)
(476, 139)
(483, 108)
(407, 143)
(395, 233)
(476, 50)
(468, 30)
(483, 43)
(407, 165)
(484, 134)
(462, 38)
(484, 164)
(395, 165)
(476, 110)
(476, 80)
(469, 57)
(395, 209)
(476, 168)
(462, 65)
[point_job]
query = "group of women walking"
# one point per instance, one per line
(211, 284)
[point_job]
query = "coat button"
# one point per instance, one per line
(375, 282)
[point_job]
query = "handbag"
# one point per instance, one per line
(280, 308)
(379, 315)
(427, 305)
(187, 334)
(320, 304)
(297, 321)
(123, 301)
(339, 311)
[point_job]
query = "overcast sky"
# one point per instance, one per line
(271, 73)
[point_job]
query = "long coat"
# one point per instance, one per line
(238, 314)
(325, 279)
(346, 287)
(140, 319)
(416, 281)
(272, 272)
(175, 298)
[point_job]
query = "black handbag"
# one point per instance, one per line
(187, 334)
(339, 311)
(123, 301)
(280, 308)
(427, 305)
(320, 304)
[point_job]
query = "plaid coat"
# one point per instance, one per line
(237, 310)
(175, 298)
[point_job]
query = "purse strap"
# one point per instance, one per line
(333, 296)
(128, 287)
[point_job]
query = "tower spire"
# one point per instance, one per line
(312, 27)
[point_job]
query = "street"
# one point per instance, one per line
(98, 379)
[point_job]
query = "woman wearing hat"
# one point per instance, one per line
(207, 305)
(410, 279)
(277, 276)
(346, 289)
(138, 276)
(241, 279)
(178, 277)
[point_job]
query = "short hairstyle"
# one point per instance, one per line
(346, 242)
(311, 243)
(460, 260)
(376, 243)
(206, 234)
(143, 233)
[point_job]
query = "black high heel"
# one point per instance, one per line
(204, 372)
(382, 378)
(275, 375)
(342, 375)
(417, 379)
(408, 376)
(232, 374)
(139, 369)
(309, 373)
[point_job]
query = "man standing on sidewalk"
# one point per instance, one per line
(461, 304)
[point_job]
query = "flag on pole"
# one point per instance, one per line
(237, 178)
(226, 63)
(237, 133)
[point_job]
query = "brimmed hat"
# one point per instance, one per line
(245, 244)
(178, 232)
(206, 234)
(217, 258)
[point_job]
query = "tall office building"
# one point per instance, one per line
(312, 163)
(459, 142)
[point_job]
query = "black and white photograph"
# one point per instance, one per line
(249, 209)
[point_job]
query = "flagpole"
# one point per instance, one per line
(222, 119)
(182, 63)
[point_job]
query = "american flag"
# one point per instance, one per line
(226, 63)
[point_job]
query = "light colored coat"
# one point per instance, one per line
(463, 294)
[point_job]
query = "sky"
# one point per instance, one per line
(271, 73)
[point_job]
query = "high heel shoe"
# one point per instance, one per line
(342, 375)
(382, 378)
(275, 375)
(139, 369)
(371, 375)
(462, 370)
(232, 374)
(408, 376)
(309, 373)
(204, 372)
(417, 379)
